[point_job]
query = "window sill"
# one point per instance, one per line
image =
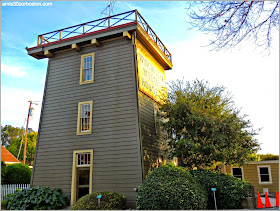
(265, 183)
(83, 133)
(86, 82)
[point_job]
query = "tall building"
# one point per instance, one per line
(98, 128)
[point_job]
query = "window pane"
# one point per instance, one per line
(240, 177)
(264, 170)
(88, 155)
(83, 177)
(85, 61)
(82, 192)
(236, 171)
(265, 178)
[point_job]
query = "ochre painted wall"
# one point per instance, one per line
(250, 173)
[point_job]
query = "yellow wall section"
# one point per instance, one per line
(151, 74)
(250, 174)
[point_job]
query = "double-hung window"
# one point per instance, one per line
(264, 173)
(84, 121)
(87, 68)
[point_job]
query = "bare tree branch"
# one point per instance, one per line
(234, 21)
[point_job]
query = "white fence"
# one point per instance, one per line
(11, 188)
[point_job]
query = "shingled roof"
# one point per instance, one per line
(8, 157)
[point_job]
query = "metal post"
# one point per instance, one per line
(214, 189)
(215, 201)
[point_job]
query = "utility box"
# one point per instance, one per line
(98, 125)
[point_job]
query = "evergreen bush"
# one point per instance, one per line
(36, 198)
(3, 172)
(230, 190)
(171, 188)
(109, 201)
(18, 174)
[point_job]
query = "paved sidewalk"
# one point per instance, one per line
(272, 202)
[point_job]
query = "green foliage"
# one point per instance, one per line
(9, 133)
(229, 189)
(109, 201)
(3, 172)
(36, 198)
(269, 157)
(3, 205)
(30, 149)
(170, 188)
(203, 128)
(18, 174)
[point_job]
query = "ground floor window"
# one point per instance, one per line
(264, 173)
(237, 172)
(81, 174)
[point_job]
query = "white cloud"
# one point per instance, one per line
(15, 71)
(14, 107)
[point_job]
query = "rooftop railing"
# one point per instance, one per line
(103, 23)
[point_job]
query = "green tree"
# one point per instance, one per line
(202, 126)
(30, 149)
(230, 22)
(269, 157)
(8, 133)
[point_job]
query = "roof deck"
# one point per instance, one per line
(131, 20)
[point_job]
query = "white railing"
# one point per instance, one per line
(11, 188)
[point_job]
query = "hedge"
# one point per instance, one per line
(109, 201)
(18, 174)
(230, 190)
(171, 188)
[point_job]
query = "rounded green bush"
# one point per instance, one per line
(171, 188)
(230, 190)
(36, 198)
(109, 201)
(3, 171)
(18, 174)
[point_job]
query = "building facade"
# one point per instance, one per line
(98, 129)
(263, 175)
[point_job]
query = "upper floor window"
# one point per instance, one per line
(87, 68)
(264, 173)
(84, 121)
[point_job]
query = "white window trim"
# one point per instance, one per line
(270, 176)
(242, 171)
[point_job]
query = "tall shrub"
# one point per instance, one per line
(3, 172)
(170, 188)
(18, 174)
(230, 190)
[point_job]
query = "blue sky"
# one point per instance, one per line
(251, 76)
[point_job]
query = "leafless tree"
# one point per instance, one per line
(234, 21)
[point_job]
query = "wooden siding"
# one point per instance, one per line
(250, 172)
(251, 175)
(115, 130)
(150, 143)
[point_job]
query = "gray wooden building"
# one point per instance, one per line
(98, 123)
